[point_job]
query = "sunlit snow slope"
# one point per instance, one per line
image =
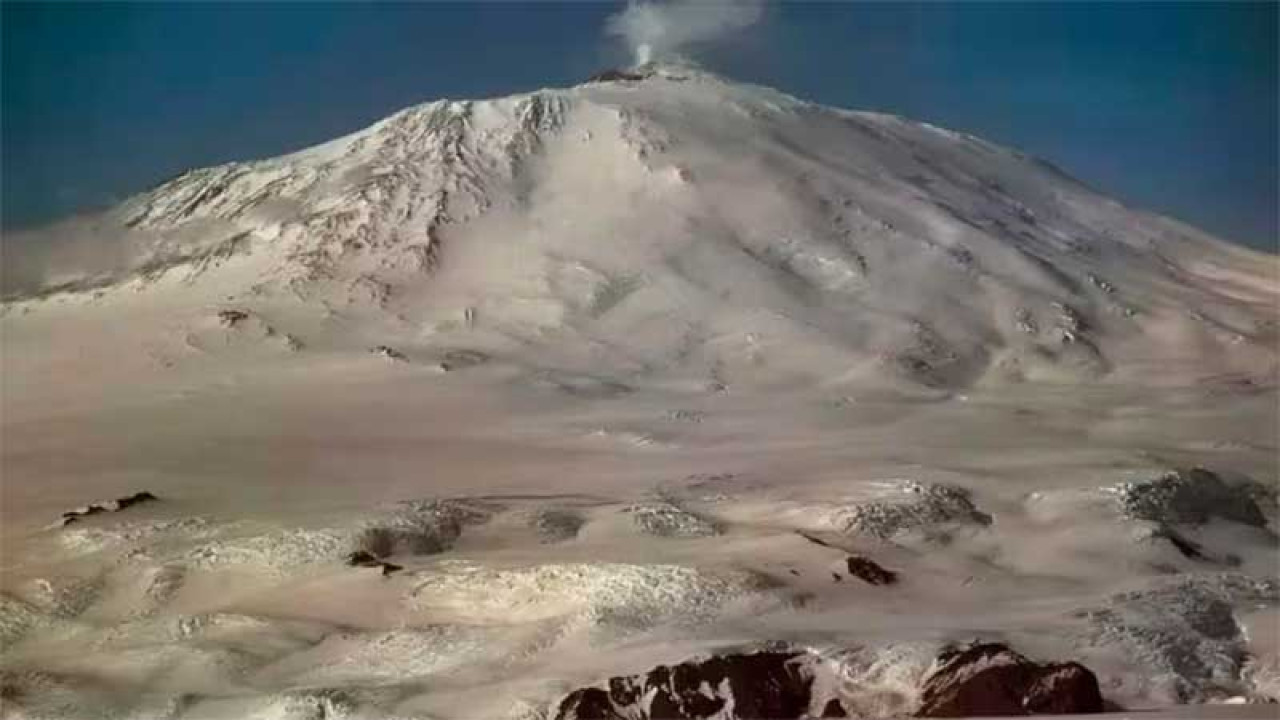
(681, 226)
(617, 375)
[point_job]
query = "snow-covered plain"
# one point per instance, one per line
(586, 363)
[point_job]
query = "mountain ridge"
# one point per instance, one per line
(807, 223)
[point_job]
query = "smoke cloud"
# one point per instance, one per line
(664, 30)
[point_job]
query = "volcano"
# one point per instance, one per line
(619, 374)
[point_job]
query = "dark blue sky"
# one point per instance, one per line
(1170, 106)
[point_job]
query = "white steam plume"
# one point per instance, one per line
(660, 30)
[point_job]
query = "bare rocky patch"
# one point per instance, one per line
(420, 527)
(990, 679)
(912, 507)
(665, 519)
(557, 525)
(1185, 633)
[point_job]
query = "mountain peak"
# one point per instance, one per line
(669, 69)
(742, 222)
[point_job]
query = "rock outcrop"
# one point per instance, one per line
(420, 527)
(773, 685)
(105, 506)
(992, 680)
(667, 520)
(361, 558)
(981, 680)
(1188, 497)
(870, 571)
(914, 507)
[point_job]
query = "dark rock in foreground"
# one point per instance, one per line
(982, 680)
(870, 571)
(773, 685)
(992, 680)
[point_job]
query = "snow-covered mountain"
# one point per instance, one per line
(672, 223)
(506, 408)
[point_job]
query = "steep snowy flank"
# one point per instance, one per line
(671, 222)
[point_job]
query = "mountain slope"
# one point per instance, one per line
(679, 224)
(495, 400)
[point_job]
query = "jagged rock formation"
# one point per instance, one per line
(981, 680)
(740, 686)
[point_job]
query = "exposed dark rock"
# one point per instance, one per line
(557, 525)
(615, 75)
(105, 506)
(389, 353)
(587, 704)
(1188, 548)
(1064, 689)
(816, 540)
(360, 558)
(870, 571)
(1191, 549)
(231, 318)
(1189, 497)
(420, 528)
(992, 680)
(134, 499)
(774, 685)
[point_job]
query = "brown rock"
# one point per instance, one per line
(992, 680)
(1064, 689)
(740, 686)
